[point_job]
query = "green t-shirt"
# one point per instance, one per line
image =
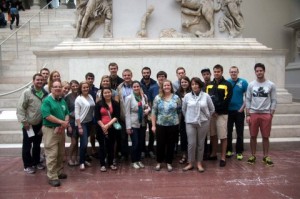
(39, 93)
(57, 108)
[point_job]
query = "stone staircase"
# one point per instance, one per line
(17, 72)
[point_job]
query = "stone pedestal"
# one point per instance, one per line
(75, 58)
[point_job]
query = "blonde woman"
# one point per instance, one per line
(105, 83)
(165, 122)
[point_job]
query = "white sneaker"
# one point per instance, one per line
(87, 163)
(169, 167)
(40, 166)
(141, 164)
(136, 165)
(29, 170)
(82, 167)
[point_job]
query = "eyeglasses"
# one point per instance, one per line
(57, 87)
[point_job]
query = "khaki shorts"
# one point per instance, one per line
(218, 126)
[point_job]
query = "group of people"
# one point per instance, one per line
(12, 8)
(187, 108)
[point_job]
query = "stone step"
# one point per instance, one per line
(12, 96)
(16, 65)
(8, 103)
(11, 80)
(292, 108)
(283, 131)
(19, 73)
(8, 87)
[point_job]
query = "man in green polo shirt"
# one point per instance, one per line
(55, 120)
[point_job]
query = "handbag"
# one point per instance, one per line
(116, 124)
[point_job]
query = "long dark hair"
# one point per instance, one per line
(180, 91)
(102, 101)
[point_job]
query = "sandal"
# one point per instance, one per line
(183, 160)
(113, 167)
(188, 168)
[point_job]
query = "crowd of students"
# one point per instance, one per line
(189, 109)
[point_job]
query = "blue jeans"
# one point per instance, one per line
(86, 127)
(34, 143)
(137, 136)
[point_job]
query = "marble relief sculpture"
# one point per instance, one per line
(194, 11)
(233, 20)
(172, 33)
(92, 13)
(143, 31)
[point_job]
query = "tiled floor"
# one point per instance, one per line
(236, 180)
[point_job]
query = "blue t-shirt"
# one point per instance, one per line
(237, 99)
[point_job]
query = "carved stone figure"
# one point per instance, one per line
(197, 10)
(92, 13)
(143, 31)
(233, 20)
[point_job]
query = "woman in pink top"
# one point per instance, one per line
(107, 112)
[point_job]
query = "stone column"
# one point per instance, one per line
(293, 68)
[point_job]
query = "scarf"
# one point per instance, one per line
(138, 98)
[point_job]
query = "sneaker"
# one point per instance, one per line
(82, 167)
(29, 170)
(71, 163)
(42, 158)
(103, 169)
(251, 160)
(151, 154)
(267, 160)
(169, 167)
(54, 183)
(88, 164)
(136, 165)
(62, 176)
(157, 167)
(40, 166)
(113, 167)
(239, 156)
(229, 154)
(115, 162)
(141, 165)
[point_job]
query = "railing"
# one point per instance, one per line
(15, 33)
(17, 90)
